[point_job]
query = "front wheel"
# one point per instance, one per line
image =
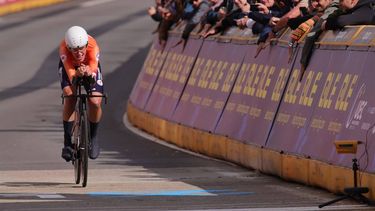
(84, 147)
(76, 156)
(77, 169)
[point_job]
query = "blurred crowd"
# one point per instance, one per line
(266, 18)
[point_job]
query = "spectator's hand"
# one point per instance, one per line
(210, 32)
(263, 8)
(246, 8)
(243, 5)
(151, 11)
(273, 21)
(282, 23)
(203, 29)
(241, 23)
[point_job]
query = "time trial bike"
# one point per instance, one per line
(81, 130)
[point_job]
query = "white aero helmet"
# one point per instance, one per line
(76, 37)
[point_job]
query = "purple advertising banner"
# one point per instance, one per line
(218, 86)
(297, 104)
(173, 77)
(209, 85)
(252, 105)
(313, 112)
(334, 101)
(148, 75)
(360, 116)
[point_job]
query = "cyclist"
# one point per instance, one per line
(79, 56)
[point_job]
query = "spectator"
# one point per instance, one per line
(189, 10)
(299, 34)
(155, 14)
(302, 25)
(262, 13)
(295, 11)
(216, 13)
(171, 13)
(352, 12)
(241, 7)
(245, 22)
(305, 14)
(327, 7)
(153, 11)
(265, 11)
(201, 8)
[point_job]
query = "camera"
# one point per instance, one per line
(347, 146)
(254, 7)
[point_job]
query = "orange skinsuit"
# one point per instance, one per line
(91, 58)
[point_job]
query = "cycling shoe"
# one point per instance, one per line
(67, 153)
(94, 149)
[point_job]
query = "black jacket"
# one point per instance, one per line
(361, 14)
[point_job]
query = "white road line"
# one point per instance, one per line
(50, 196)
(94, 3)
(12, 201)
(31, 197)
(39, 195)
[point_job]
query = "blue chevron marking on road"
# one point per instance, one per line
(173, 193)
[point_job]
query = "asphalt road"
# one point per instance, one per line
(133, 172)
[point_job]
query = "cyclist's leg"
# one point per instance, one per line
(95, 114)
(94, 103)
(68, 113)
(95, 108)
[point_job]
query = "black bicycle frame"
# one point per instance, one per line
(81, 165)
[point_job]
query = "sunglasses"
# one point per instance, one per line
(80, 49)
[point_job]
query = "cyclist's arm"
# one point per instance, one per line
(93, 57)
(67, 62)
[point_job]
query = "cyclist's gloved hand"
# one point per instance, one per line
(84, 70)
(91, 79)
(81, 71)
